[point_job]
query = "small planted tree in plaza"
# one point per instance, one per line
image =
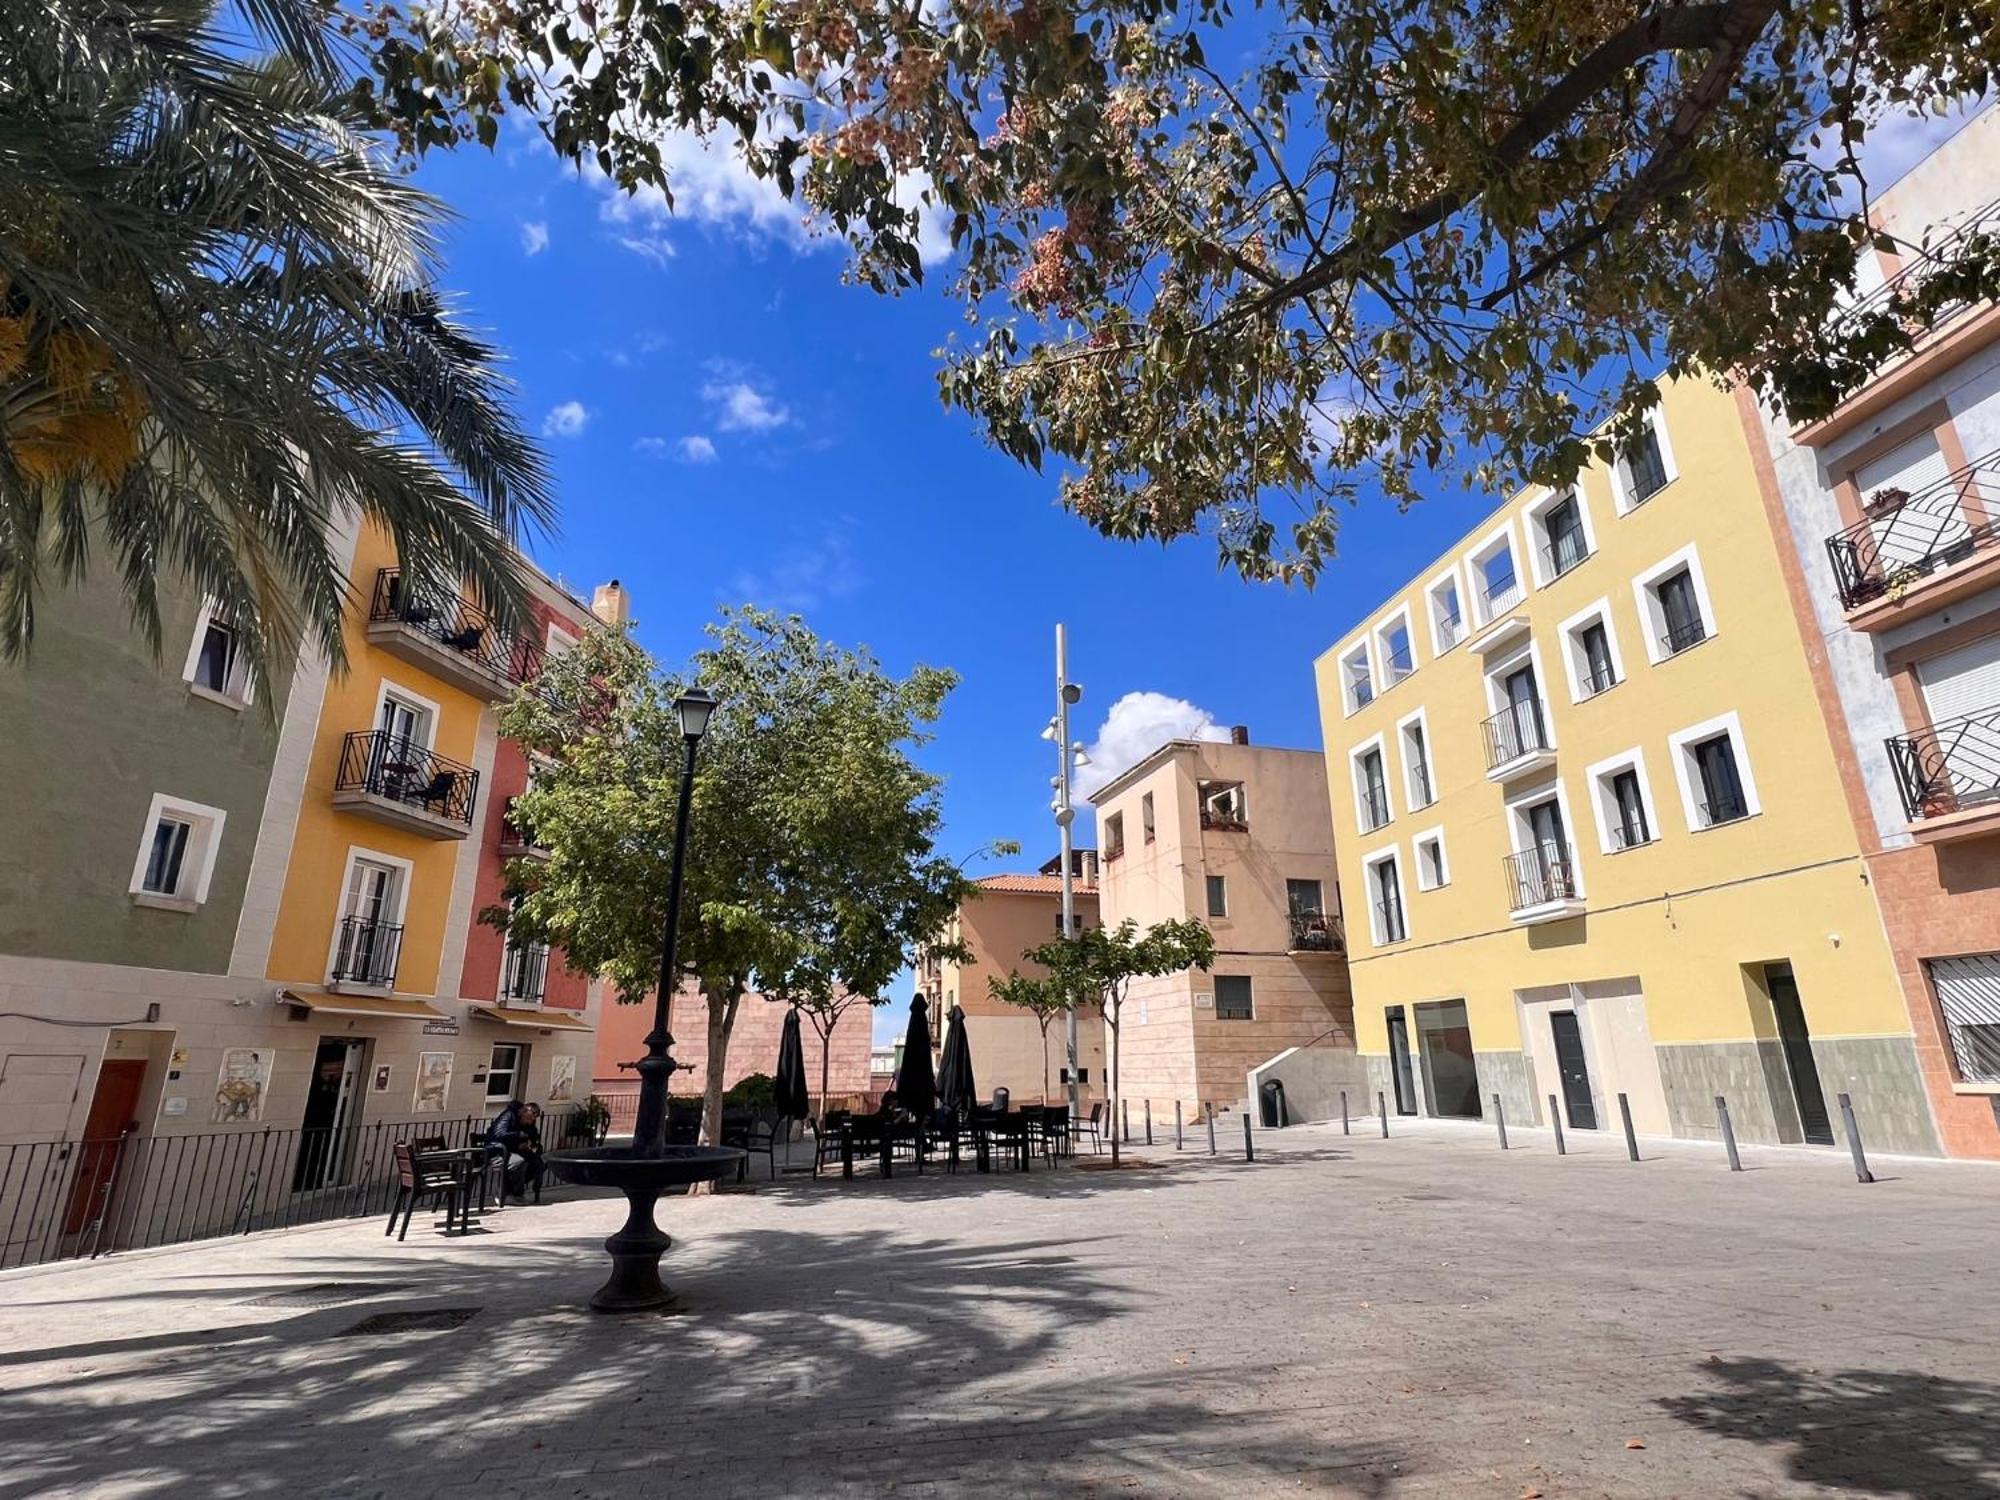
(811, 864)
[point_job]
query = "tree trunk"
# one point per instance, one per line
(721, 1021)
(1045, 1060)
(825, 1060)
(1111, 1101)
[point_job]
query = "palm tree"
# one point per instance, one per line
(220, 331)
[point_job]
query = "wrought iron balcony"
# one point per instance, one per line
(365, 953)
(399, 781)
(1913, 273)
(1515, 732)
(1542, 876)
(1599, 679)
(516, 842)
(1564, 551)
(1949, 767)
(1315, 932)
(1630, 835)
(1679, 638)
(1374, 808)
(1501, 595)
(450, 637)
(1391, 914)
(1907, 537)
(524, 974)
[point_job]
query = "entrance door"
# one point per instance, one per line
(1399, 1062)
(1797, 1043)
(329, 1111)
(114, 1113)
(1573, 1070)
(1451, 1077)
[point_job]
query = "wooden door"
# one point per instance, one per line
(114, 1110)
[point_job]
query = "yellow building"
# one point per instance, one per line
(1591, 833)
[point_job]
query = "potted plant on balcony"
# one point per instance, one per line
(1885, 501)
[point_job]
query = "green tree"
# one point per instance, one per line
(220, 330)
(1098, 965)
(811, 863)
(1407, 236)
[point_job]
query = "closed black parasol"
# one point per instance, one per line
(790, 1079)
(916, 1084)
(956, 1090)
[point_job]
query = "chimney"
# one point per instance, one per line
(611, 603)
(1239, 734)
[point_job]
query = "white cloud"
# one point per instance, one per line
(803, 578)
(696, 449)
(741, 407)
(534, 237)
(653, 447)
(1134, 727)
(566, 420)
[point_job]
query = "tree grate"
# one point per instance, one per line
(416, 1320)
(328, 1293)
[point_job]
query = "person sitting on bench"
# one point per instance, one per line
(517, 1132)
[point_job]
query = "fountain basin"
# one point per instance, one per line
(635, 1284)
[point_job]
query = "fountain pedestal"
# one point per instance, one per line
(635, 1285)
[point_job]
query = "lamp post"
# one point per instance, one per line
(656, 1068)
(1068, 756)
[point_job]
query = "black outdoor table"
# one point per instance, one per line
(1010, 1129)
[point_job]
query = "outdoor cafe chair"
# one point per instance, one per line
(1092, 1127)
(754, 1135)
(421, 1176)
(826, 1137)
(1055, 1130)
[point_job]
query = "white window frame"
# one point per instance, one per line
(518, 1074)
(432, 712)
(1621, 485)
(204, 842)
(1576, 664)
(1343, 664)
(1680, 745)
(1535, 515)
(1450, 576)
(1417, 842)
(1421, 719)
(1499, 669)
(1653, 616)
(1389, 855)
(243, 676)
(1486, 547)
(406, 871)
(1375, 742)
(1598, 776)
(555, 633)
(1518, 832)
(1399, 616)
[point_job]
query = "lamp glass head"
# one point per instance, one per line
(694, 707)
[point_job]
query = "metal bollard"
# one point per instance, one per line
(1500, 1119)
(1382, 1109)
(1125, 1120)
(1728, 1133)
(1631, 1140)
(1178, 1138)
(1209, 1110)
(1149, 1120)
(1555, 1117)
(1249, 1150)
(1343, 1112)
(1861, 1172)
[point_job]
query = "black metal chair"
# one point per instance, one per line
(826, 1137)
(421, 1176)
(1055, 1130)
(438, 794)
(1092, 1127)
(755, 1135)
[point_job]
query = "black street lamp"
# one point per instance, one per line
(656, 1068)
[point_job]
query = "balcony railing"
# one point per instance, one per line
(1397, 665)
(1564, 551)
(1391, 916)
(1630, 835)
(1538, 876)
(455, 624)
(1515, 731)
(1599, 679)
(1950, 766)
(1679, 637)
(524, 974)
(1450, 630)
(1501, 595)
(399, 770)
(1724, 809)
(1374, 808)
(1915, 271)
(365, 952)
(1315, 932)
(1421, 794)
(1906, 538)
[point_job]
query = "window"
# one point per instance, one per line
(218, 666)
(1674, 608)
(524, 970)
(1232, 997)
(1968, 992)
(506, 1070)
(1417, 763)
(1631, 827)
(1623, 802)
(1713, 770)
(1590, 652)
(368, 938)
(1433, 870)
(1496, 582)
(406, 720)
(1559, 531)
(1218, 896)
(1357, 682)
(1222, 805)
(1595, 644)
(1543, 867)
(1386, 893)
(1392, 641)
(1146, 816)
(1447, 614)
(1114, 836)
(176, 854)
(1518, 729)
(1305, 898)
(1371, 788)
(1644, 468)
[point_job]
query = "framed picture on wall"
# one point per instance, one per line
(433, 1083)
(240, 1088)
(562, 1078)
(382, 1075)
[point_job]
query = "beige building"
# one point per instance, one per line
(1241, 837)
(1012, 914)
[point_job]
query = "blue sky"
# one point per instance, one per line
(728, 422)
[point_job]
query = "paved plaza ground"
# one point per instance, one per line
(1422, 1316)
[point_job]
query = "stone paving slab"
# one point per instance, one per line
(1420, 1317)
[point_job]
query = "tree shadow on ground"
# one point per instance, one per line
(1875, 1432)
(838, 1363)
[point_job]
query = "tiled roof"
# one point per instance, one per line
(1033, 885)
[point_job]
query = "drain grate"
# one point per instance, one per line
(416, 1320)
(329, 1293)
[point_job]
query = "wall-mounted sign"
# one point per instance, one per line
(433, 1083)
(1204, 1002)
(382, 1079)
(174, 1106)
(442, 1026)
(240, 1087)
(562, 1078)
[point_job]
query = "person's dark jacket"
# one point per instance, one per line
(522, 1137)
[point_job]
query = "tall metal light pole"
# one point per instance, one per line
(1067, 693)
